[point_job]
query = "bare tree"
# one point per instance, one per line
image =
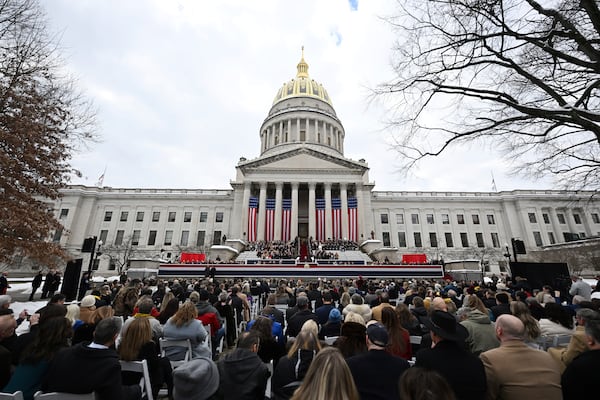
(43, 120)
(120, 254)
(521, 74)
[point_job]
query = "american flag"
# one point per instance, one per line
(320, 205)
(336, 217)
(270, 220)
(252, 216)
(286, 220)
(352, 219)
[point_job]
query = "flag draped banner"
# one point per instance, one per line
(320, 210)
(252, 217)
(270, 220)
(352, 219)
(336, 218)
(286, 220)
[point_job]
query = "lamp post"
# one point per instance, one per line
(95, 252)
(507, 255)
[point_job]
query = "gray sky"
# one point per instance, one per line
(182, 88)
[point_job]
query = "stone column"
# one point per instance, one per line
(245, 203)
(278, 209)
(262, 205)
(312, 217)
(344, 199)
(328, 215)
(297, 138)
(294, 227)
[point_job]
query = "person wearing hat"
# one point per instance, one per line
(376, 373)
(448, 356)
(87, 307)
(516, 371)
(197, 379)
(333, 326)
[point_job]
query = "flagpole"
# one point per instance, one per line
(493, 182)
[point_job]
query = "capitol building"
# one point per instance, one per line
(302, 186)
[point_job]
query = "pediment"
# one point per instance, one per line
(303, 159)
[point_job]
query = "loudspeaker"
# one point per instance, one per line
(71, 279)
(519, 246)
(88, 245)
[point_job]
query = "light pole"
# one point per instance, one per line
(95, 252)
(507, 255)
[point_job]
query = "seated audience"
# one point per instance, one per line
(556, 320)
(333, 326)
(399, 339)
(532, 326)
(85, 332)
(424, 384)
(579, 379)
(352, 336)
(578, 342)
(300, 317)
(184, 325)
(270, 349)
(357, 305)
(197, 379)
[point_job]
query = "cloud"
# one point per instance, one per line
(353, 4)
(337, 36)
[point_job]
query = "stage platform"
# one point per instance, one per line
(302, 270)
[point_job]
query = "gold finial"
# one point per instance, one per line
(302, 67)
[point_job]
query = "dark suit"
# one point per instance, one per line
(297, 320)
(81, 369)
(376, 374)
(579, 381)
(463, 371)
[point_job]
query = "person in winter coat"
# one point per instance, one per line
(482, 332)
(357, 305)
(292, 368)
(184, 325)
(242, 374)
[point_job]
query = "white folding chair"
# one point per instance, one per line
(330, 340)
(268, 387)
(185, 343)
(208, 340)
(561, 340)
(142, 368)
(18, 395)
(63, 396)
(416, 339)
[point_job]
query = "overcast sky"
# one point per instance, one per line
(182, 87)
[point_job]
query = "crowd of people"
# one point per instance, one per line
(325, 339)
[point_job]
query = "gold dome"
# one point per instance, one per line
(302, 86)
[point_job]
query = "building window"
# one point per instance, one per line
(445, 219)
(401, 239)
(151, 238)
(495, 241)
(386, 239)
(546, 218)
(595, 218)
(414, 218)
(135, 238)
(433, 239)
(107, 216)
(384, 218)
(430, 219)
(449, 241)
(185, 235)
(464, 240)
(112, 265)
(400, 219)
(219, 218)
(479, 238)
(475, 219)
(418, 242)
(63, 213)
(57, 235)
(155, 216)
(537, 237)
(103, 235)
(139, 217)
(216, 237)
(491, 220)
(119, 237)
(200, 238)
(168, 238)
(581, 235)
(577, 218)
(203, 216)
(561, 218)
(187, 216)
(124, 216)
(172, 216)
(551, 239)
(460, 218)
(532, 218)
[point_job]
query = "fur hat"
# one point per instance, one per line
(88, 301)
(197, 379)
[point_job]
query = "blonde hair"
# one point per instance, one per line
(475, 302)
(306, 340)
(165, 300)
(328, 378)
(311, 326)
(138, 333)
(186, 313)
(521, 311)
(345, 299)
(355, 317)
(72, 313)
